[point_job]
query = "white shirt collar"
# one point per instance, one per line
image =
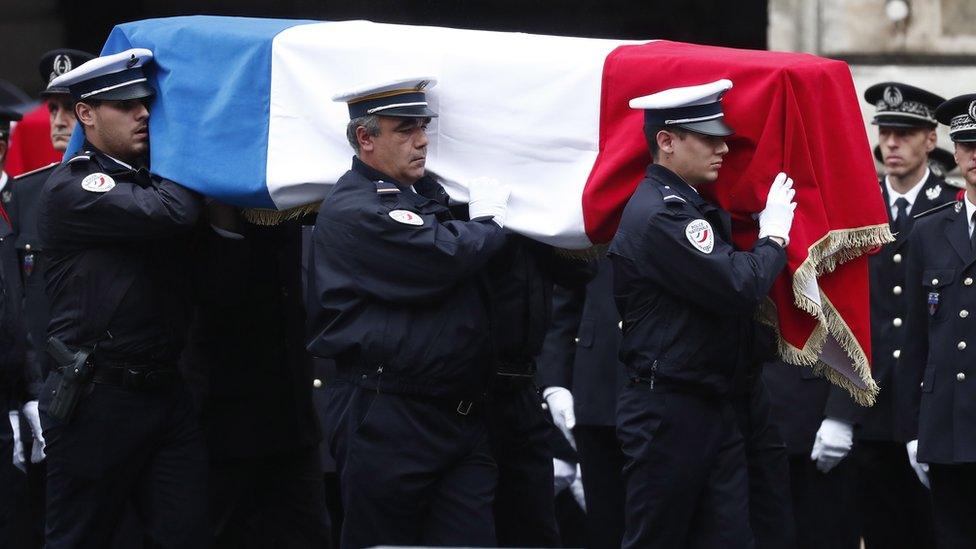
(3, 180)
(970, 209)
(119, 162)
(910, 196)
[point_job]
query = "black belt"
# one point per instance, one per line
(136, 376)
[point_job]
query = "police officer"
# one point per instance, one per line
(894, 506)
(401, 309)
(580, 374)
(936, 368)
(114, 238)
(520, 283)
(687, 299)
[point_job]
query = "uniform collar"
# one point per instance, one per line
(970, 210)
(675, 183)
(426, 186)
(108, 163)
(3, 180)
(911, 195)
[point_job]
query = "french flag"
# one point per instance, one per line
(243, 113)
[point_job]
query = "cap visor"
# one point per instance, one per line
(139, 90)
(893, 121)
(416, 111)
(54, 91)
(968, 136)
(715, 128)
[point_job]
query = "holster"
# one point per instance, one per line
(76, 372)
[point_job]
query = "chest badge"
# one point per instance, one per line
(933, 302)
(98, 183)
(701, 235)
(933, 192)
(407, 217)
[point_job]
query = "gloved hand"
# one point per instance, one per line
(488, 198)
(834, 440)
(577, 488)
(777, 218)
(921, 469)
(19, 461)
(34, 420)
(563, 474)
(560, 402)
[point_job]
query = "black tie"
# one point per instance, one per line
(901, 213)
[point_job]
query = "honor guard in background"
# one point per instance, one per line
(687, 298)
(936, 376)
(894, 506)
(581, 376)
(520, 284)
(118, 419)
(15, 426)
(401, 307)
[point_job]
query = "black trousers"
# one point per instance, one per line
(14, 511)
(271, 501)
(895, 508)
(412, 471)
(602, 463)
(126, 446)
(686, 478)
(824, 504)
(525, 513)
(954, 504)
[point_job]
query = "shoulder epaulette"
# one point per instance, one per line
(38, 170)
(382, 187)
(937, 208)
(80, 156)
(671, 197)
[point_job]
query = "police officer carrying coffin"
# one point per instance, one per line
(118, 420)
(936, 371)
(687, 298)
(894, 506)
(402, 311)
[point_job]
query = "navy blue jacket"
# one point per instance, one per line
(117, 258)
(399, 303)
(13, 385)
(936, 376)
(687, 309)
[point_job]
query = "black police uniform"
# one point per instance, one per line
(402, 311)
(115, 274)
(25, 198)
(687, 324)
(580, 354)
(520, 279)
(936, 369)
(246, 361)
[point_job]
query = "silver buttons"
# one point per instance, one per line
(316, 383)
(896, 322)
(620, 324)
(896, 258)
(935, 281)
(27, 247)
(896, 290)
(961, 346)
(960, 377)
(897, 353)
(575, 340)
(968, 281)
(963, 313)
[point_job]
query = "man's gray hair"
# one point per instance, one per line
(372, 124)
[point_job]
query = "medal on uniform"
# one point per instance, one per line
(933, 302)
(28, 263)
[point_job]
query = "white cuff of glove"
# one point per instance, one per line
(488, 198)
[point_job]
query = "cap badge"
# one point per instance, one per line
(933, 192)
(132, 61)
(972, 110)
(6, 196)
(62, 65)
(699, 233)
(407, 217)
(98, 183)
(892, 96)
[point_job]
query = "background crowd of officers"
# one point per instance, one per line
(400, 369)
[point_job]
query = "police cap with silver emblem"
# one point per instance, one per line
(115, 77)
(902, 106)
(57, 62)
(694, 108)
(959, 113)
(403, 98)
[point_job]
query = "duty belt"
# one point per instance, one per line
(138, 376)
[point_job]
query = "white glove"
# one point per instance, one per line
(577, 488)
(834, 440)
(19, 461)
(488, 198)
(777, 218)
(560, 402)
(563, 474)
(34, 420)
(921, 469)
